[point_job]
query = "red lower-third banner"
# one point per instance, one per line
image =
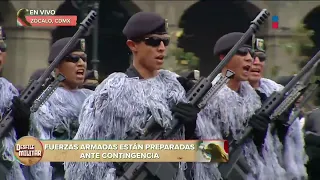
(44, 21)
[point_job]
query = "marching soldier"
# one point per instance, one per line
(228, 114)
(124, 101)
(57, 118)
(9, 167)
(290, 154)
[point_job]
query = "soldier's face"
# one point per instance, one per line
(240, 64)
(73, 67)
(256, 70)
(151, 51)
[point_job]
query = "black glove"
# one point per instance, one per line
(281, 127)
(187, 115)
(280, 124)
(21, 115)
(259, 123)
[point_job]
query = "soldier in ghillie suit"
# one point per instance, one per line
(231, 111)
(57, 118)
(9, 166)
(288, 141)
(124, 101)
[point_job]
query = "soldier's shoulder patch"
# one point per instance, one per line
(83, 44)
(260, 45)
(166, 24)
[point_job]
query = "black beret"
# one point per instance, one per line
(284, 80)
(2, 34)
(227, 41)
(59, 45)
(145, 23)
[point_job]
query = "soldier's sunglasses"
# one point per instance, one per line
(75, 58)
(244, 51)
(3, 46)
(156, 41)
(261, 55)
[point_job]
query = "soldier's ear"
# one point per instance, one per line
(132, 45)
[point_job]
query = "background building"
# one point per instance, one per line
(203, 22)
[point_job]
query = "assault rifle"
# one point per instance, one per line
(310, 91)
(275, 105)
(198, 96)
(47, 92)
(35, 88)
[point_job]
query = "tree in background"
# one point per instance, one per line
(303, 47)
(177, 60)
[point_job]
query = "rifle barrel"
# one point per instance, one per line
(95, 36)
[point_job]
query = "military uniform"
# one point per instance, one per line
(123, 102)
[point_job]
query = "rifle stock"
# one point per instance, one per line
(198, 96)
(35, 88)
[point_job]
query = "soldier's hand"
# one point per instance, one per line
(259, 123)
(280, 126)
(21, 115)
(187, 115)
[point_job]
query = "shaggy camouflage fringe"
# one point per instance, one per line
(7, 92)
(295, 156)
(226, 114)
(59, 113)
(120, 104)
(292, 155)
